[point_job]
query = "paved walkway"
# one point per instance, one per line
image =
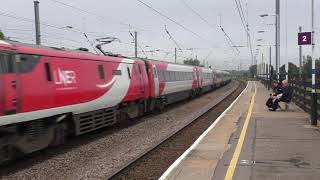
(249, 142)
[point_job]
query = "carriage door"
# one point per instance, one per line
(141, 83)
(155, 80)
(198, 78)
(8, 85)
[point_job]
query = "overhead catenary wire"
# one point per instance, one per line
(211, 26)
(172, 20)
(44, 35)
(198, 14)
(101, 17)
(45, 40)
(249, 34)
(91, 44)
(210, 52)
(47, 24)
(56, 26)
(74, 30)
(245, 24)
(242, 18)
(170, 36)
(229, 39)
(241, 15)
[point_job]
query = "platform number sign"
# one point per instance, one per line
(305, 38)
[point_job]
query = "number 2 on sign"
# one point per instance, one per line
(304, 38)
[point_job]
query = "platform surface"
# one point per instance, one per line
(276, 145)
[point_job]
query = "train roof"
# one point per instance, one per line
(71, 53)
(222, 72)
(15, 44)
(58, 52)
(162, 61)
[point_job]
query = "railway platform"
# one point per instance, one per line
(249, 142)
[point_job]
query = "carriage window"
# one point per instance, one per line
(6, 64)
(176, 76)
(48, 71)
(171, 75)
(180, 77)
(161, 76)
(27, 63)
(101, 72)
(189, 76)
(166, 76)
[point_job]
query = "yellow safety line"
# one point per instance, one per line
(236, 155)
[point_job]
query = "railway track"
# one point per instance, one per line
(112, 152)
(147, 165)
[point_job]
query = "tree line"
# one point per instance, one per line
(1, 35)
(293, 68)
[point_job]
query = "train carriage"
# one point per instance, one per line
(174, 82)
(223, 77)
(207, 79)
(47, 94)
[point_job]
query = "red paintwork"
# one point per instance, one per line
(195, 84)
(50, 94)
(10, 90)
(139, 88)
(161, 66)
(33, 91)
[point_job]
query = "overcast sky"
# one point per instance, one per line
(112, 18)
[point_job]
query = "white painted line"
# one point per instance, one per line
(179, 160)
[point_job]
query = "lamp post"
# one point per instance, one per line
(314, 111)
(269, 73)
(277, 35)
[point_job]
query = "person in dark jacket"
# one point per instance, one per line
(277, 89)
(285, 96)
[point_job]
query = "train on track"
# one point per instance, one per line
(48, 94)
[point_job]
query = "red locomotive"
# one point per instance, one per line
(49, 93)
